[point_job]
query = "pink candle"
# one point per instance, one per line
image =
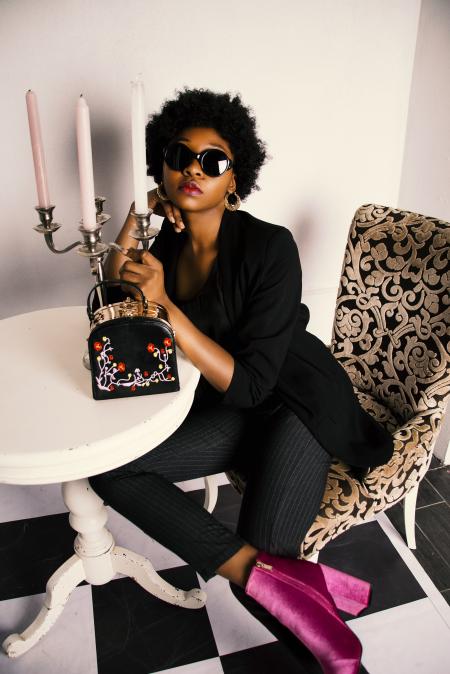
(85, 167)
(37, 149)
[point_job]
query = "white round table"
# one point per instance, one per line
(54, 431)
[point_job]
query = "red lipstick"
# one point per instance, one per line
(190, 187)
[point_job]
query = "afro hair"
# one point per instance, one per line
(204, 108)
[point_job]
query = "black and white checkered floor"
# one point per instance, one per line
(118, 627)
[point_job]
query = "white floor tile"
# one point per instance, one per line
(408, 639)
(68, 647)
(234, 628)
(212, 666)
(415, 567)
(20, 502)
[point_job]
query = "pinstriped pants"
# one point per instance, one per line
(286, 470)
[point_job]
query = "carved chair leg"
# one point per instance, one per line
(410, 517)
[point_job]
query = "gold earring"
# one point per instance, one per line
(161, 195)
(232, 206)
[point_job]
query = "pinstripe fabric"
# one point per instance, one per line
(286, 469)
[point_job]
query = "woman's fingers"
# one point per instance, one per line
(167, 209)
(132, 267)
(148, 275)
(178, 220)
(150, 260)
(174, 215)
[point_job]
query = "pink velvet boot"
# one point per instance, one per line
(304, 597)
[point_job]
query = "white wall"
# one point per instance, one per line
(329, 83)
(425, 181)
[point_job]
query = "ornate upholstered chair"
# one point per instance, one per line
(391, 333)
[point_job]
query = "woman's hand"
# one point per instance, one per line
(165, 208)
(148, 274)
(126, 240)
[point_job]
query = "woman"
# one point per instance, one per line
(271, 402)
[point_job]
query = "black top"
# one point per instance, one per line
(258, 317)
(207, 311)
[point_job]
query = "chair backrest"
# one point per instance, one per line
(391, 330)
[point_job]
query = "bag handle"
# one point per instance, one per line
(110, 284)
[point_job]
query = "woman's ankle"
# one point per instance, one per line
(237, 568)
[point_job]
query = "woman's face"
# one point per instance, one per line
(191, 189)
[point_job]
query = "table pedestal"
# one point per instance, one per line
(97, 560)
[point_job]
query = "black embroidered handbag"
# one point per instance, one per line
(131, 347)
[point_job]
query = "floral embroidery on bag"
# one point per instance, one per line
(110, 369)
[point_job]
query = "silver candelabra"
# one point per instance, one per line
(92, 245)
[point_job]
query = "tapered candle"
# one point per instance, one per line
(88, 210)
(138, 146)
(37, 149)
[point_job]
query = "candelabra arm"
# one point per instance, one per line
(48, 227)
(49, 241)
(91, 246)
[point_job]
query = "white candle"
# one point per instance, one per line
(88, 210)
(37, 149)
(138, 145)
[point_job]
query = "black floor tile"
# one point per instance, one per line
(434, 564)
(435, 463)
(31, 550)
(269, 659)
(434, 522)
(367, 553)
(139, 633)
(440, 479)
(427, 493)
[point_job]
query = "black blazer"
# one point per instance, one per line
(261, 279)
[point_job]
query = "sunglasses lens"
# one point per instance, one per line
(213, 162)
(178, 156)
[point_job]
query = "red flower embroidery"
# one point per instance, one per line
(163, 351)
(133, 388)
(110, 357)
(150, 347)
(112, 388)
(167, 342)
(145, 373)
(121, 367)
(98, 346)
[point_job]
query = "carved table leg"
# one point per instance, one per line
(96, 560)
(59, 587)
(142, 571)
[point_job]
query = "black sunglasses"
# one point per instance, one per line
(214, 162)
